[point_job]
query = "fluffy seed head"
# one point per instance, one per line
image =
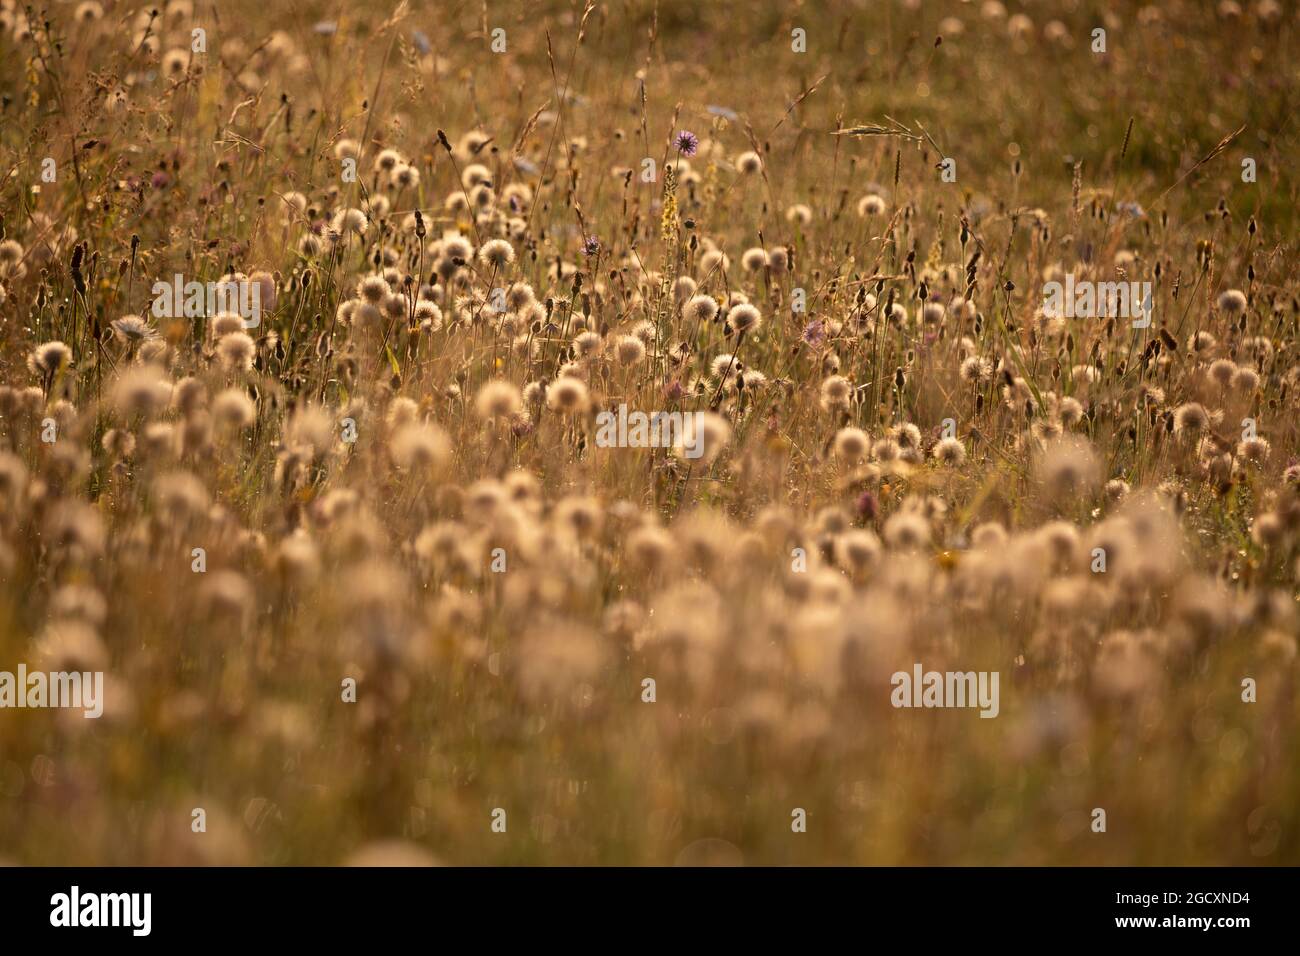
(871, 205)
(1190, 419)
(237, 351)
(749, 163)
(744, 318)
(49, 358)
(950, 451)
(851, 444)
(1232, 301)
(498, 399)
(706, 433)
(567, 395)
(700, 308)
(630, 350)
(497, 253)
(835, 392)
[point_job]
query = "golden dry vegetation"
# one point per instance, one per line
(396, 477)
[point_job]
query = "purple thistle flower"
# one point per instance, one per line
(591, 245)
(686, 142)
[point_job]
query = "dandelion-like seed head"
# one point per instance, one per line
(419, 447)
(405, 177)
(1245, 379)
(907, 530)
(851, 444)
(871, 205)
(49, 358)
(234, 409)
(748, 163)
(700, 308)
(703, 438)
(752, 260)
(498, 399)
(1190, 419)
(907, 435)
(800, 214)
(949, 451)
(568, 395)
(630, 350)
(374, 289)
(237, 351)
(497, 253)
(1232, 301)
(836, 390)
(744, 318)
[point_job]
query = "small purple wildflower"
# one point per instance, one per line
(686, 142)
(591, 246)
(814, 333)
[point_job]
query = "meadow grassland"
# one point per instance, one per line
(366, 581)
